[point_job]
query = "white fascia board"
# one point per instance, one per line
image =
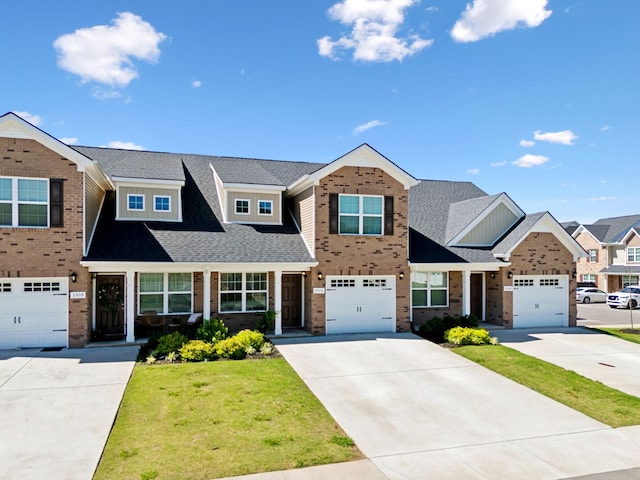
(145, 182)
(300, 185)
(582, 229)
(548, 224)
(632, 231)
(12, 126)
(181, 267)
(251, 188)
(502, 199)
(457, 267)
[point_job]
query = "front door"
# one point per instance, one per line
(477, 295)
(291, 313)
(110, 307)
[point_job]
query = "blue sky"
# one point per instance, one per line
(536, 98)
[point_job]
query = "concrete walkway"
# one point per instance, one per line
(57, 409)
(418, 411)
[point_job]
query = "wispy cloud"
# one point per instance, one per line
(485, 18)
(196, 84)
(602, 199)
(105, 53)
(30, 117)
(565, 137)
(473, 171)
(606, 128)
(366, 126)
(69, 140)
(498, 164)
(374, 31)
(527, 143)
(124, 145)
(528, 161)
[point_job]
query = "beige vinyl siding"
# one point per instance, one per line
(304, 212)
(619, 255)
(94, 196)
(492, 227)
(253, 216)
(148, 212)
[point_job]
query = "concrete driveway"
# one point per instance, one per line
(419, 411)
(57, 409)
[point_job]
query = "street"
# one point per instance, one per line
(600, 314)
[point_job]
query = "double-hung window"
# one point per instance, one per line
(24, 202)
(360, 215)
(589, 277)
(429, 289)
(593, 255)
(633, 254)
(243, 292)
(165, 292)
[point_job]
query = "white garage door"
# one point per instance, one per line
(34, 312)
(540, 301)
(358, 304)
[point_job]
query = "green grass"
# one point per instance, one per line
(605, 404)
(217, 419)
(619, 332)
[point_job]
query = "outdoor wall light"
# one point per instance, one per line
(319, 275)
(510, 275)
(574, 274)
(74, 277)
(304, 274)
(401, 274)
(492, 274)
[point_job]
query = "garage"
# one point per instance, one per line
(540, 301)
(358, 304)
(34, 312)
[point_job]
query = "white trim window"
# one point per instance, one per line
(161, 203)
(242, 206)
(429, 289)
(243, 292)
(629, 280)
(588, 278)
(593, 255)
(633, 254)
(135, 202)
(265, 207)
(165, 293)
(361, 215)
(24, 202)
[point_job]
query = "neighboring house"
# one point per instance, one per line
(92, 238)
(613, 252)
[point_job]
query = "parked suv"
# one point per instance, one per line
(628, 297)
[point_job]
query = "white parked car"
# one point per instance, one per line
(628, 297)
(590, 295)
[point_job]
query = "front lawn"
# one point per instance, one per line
(605, 404)
(623, 333)
(216, 419)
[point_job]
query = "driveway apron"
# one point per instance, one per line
(58, 409)
(417, 410)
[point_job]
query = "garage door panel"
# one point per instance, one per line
(540, 300)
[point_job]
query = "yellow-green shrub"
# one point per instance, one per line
(250, 339)
(231, 348)
(468, 336)
(198, 351)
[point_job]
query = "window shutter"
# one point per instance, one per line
(388, 215)
(333, 213)
(55, 203)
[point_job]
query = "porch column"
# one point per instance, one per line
(206, 295)
(466, 292)
(277, 300)
(130, 305)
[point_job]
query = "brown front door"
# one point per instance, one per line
(110, 306)
(477, 296)
(291, 301)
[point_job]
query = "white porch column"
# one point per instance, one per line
(130, 305)
(466, 292)
(277, 300)
(206, 294)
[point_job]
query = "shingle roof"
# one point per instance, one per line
(613, 229)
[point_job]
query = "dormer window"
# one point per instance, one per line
(265, 207)
(135, 202)
(161, 203)
(242, 206)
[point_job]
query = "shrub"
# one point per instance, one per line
(147, 349)
(231, 348)
(266, 322)
(435, 328)
(170, 343)
(250, 339)
(198, 351)
(267, 349)
(212, 331)
(468, 336)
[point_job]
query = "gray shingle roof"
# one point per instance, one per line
(613, 229)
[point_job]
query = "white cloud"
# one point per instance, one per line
(30, 117)
(432, 9)
(124, 145)
(102, 94)
(565, 137)
(104, 53)
(366, 126)
(606, 128)
(528, 161)
(527, 143)
(69, 140)
(196, 84)
(373, 37)
(485, 18)
(602, 199)
(473, 171)
(498, 164)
